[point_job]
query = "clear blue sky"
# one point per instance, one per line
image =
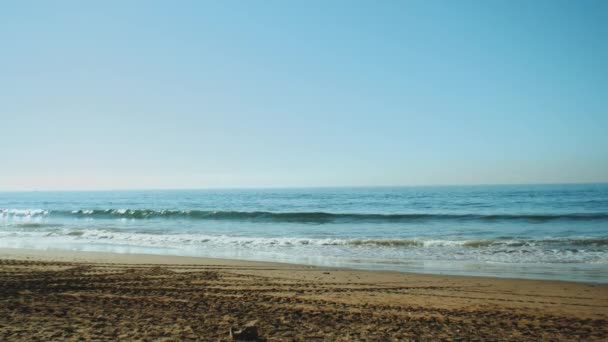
(191, 94)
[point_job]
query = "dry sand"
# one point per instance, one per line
(95, 296)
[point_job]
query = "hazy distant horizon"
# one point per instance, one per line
(228, 188)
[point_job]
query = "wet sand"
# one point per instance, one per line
(102, 296)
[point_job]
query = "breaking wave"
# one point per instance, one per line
(297, 217)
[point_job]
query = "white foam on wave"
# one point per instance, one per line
(482, 251)
(6, 213)
(83, 211)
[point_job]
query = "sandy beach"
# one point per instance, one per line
(100, 296)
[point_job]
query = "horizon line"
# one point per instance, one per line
(303, 187)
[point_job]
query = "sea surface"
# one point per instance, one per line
(531, 231)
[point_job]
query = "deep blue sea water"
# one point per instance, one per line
(531, 231)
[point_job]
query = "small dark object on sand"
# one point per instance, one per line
(247, 334)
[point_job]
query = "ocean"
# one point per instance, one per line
(518, 231)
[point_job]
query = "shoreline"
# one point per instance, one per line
(65, 295)
(58, 255)
(170, 259)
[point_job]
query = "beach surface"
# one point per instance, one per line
(59, 295)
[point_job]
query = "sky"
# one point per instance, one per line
(198, 94)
